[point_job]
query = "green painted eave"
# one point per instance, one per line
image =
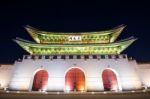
(61, 37)
(78, 49)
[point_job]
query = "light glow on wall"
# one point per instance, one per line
(2, 84)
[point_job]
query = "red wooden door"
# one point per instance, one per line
(40, 80)
(75, 80)
(109, 80)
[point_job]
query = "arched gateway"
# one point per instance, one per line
(40, 80)
(109, 80)
(62, 48)
(75, 80)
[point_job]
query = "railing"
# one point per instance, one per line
(122, 56)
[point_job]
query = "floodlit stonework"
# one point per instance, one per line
(75, 62)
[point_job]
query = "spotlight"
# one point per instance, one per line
(144, 90)
(45, 92)
(58, 93)
(132, 91)
(104, 92)
(92, 93)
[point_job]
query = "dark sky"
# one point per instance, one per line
(69, 16)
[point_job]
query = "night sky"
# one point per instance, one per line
(69, 16)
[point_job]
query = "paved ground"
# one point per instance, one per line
(90, 95)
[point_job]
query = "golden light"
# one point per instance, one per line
(81, 88)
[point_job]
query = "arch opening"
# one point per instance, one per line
(75, 80)
(40, 81)
(110, 82)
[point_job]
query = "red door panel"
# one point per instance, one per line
(75, 80)
(109, 80)
(40, 80)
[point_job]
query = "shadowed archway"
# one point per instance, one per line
(40, 80)
(109, 80)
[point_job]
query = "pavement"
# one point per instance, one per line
(141, 94)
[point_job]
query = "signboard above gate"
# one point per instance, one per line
(74, 38)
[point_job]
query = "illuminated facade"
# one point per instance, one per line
(87, 61)
(86, 43)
